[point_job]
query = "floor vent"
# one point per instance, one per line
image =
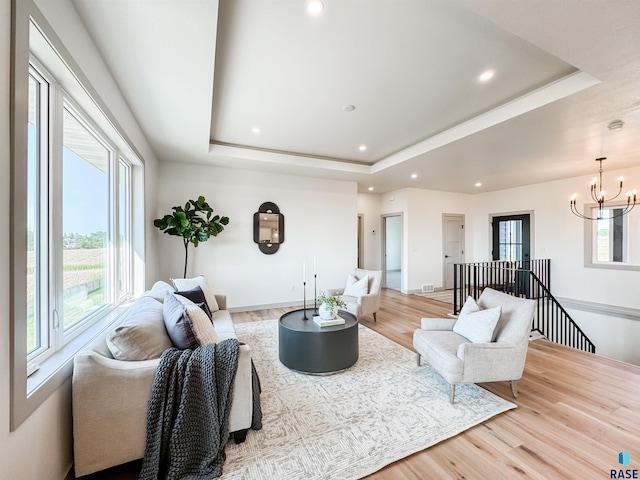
(427, 287)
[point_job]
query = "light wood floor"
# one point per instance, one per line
(575, 412)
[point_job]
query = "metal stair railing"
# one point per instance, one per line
(529, 279)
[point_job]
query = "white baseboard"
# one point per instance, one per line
(267, 306)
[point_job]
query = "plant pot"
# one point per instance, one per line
(327, 313)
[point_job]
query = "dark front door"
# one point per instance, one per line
(512, 242)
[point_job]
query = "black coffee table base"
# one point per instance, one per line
(308, 348)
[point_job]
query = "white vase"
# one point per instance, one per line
(327, 313)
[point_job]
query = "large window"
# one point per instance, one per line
(77, 189)
(78, 220)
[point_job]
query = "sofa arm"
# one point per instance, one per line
(437, 324)
(242, 402)
(221, 300)
(109, 405)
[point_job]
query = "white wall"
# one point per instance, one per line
(320, 220)
(40, 448)
(369, 207)
(422, 236)
(559, 235)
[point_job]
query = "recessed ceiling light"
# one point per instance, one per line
(315, 7)
(349, 108)
(478, 184)
(255, 130)
(486, 76)
(371, 189)
(414, 175)
(362, 148)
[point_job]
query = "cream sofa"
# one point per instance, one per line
(110, 396)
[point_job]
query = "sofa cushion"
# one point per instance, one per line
(356, 287)
(178, 324)
(141, 334)
(202, 326)
(189, 283)
(478, 326)
(158, 290)
(196, 295)
(187, 324)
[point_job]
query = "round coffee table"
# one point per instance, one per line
(308, 348)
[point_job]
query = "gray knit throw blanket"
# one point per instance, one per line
(188, 413)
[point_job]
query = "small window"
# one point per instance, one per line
(614, 239)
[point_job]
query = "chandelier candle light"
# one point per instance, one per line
(597, 194)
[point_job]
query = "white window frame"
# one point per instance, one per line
(32, 382)
(590, 242)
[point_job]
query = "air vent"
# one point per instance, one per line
(427, 287)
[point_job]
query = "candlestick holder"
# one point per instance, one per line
(315, 284)
(304, 301)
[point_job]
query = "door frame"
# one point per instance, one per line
(383, 218)
(444, 245)
(360, 227)
(507, 214)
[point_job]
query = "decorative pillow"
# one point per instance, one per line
(470, 306)
(141, 335)
(189, 283)
(158, 290)
(202, 326)
(478, 326)
(178, 323)
(187, 324)
(355, 287)
(196, 295)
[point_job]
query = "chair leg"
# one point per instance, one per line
(418, 358)
(374, 317)
(514, 388)
(452, 392)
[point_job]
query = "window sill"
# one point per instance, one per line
(612, 266)
(53, 371)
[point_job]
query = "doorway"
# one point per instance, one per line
(452, 245)
(512, 238)
(392, 251)
(512, 243)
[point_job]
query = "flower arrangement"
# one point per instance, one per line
(330, 301)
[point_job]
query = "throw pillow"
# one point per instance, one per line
(202, 326)
(470, 306)
(196, 295)
(158, 290)
(189, 283)
(141, 335)
(355, 287)
(478, 326)
(178, 323)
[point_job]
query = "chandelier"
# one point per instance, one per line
(597, 194)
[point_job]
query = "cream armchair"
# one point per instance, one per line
(367, 304)
(459, 360)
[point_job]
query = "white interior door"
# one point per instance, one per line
(453, 245)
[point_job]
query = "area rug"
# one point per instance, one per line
(353, 423)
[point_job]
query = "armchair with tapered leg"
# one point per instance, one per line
(366, 302)
(460, 360)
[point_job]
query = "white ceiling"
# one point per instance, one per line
(563, 69)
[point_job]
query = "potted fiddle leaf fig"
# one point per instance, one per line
(195, 223)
